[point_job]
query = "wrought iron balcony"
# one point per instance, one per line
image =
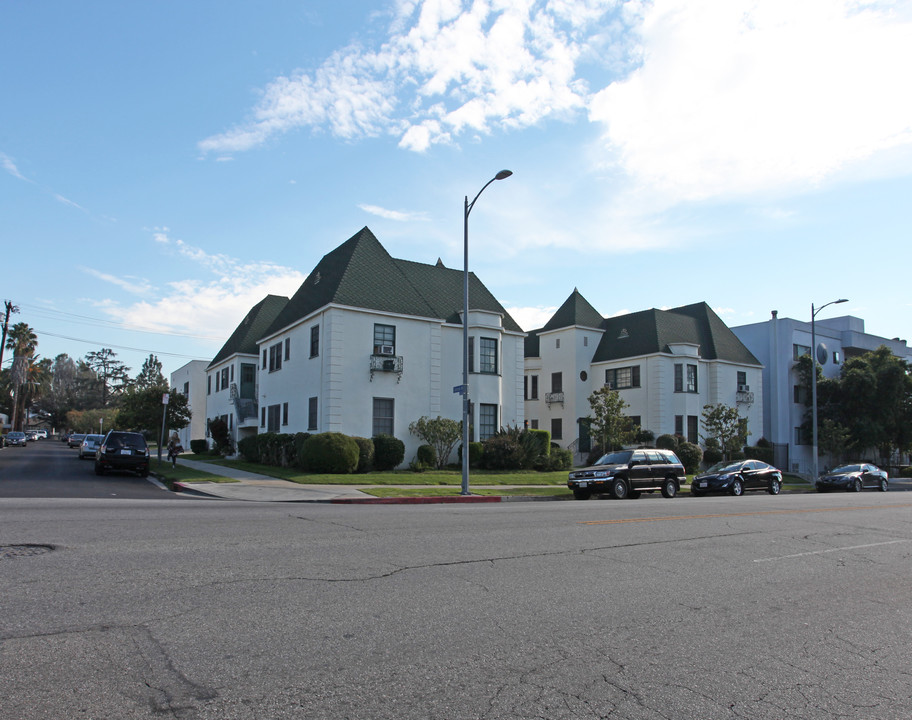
(744, 397)
(554, 397)
(386, 364)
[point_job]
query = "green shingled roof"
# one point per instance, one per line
(244, 338)
(576, 310)
(361, 273)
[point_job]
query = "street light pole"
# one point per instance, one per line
(465, 332)
(814, 385)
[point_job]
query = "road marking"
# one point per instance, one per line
(620, 521)
(829, 550)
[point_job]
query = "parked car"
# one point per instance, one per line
(31, 435)
(41, 434)
(627, 473)
(736, 477)
(90, 445)
(75, 439)
(122, 450)
(854, 478)
(15, 437)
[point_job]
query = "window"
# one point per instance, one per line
(679, 377)
(264, 359)
(487, 421)
(232, 373)
(224, 378)
(799, 351)
(800, 436)
(585, 341)
(383, 416)
(187, 389)
(557, 343)
(626, 377)
(557, 382)
(315, 341)
(208, 384)
(275, 357)
(837, 357)
(471, 354)
(534, 395)
(262, 417)
(273, 416)
(742, 379)
(218, 376)
(693, 429)
(312, 413)
(679, 425)
(557, 432)
(691, 378)
(384, 339)
(287, 348)
(284, 413)
(800, 394)
(533, 424)
(488, 358)
(636, 421)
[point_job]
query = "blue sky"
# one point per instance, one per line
(164, 166)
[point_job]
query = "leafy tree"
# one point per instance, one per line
(610, 428)
(724, 424)
(443, 434)
(112, 374)
(23, 342)
(92, 421)
(142, 409)
(58, 399)
(151, 374)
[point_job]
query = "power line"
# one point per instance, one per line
(119, 347)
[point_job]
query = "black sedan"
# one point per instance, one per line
(854, 478)
(736, 477)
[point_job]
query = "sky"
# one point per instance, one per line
(166, 165)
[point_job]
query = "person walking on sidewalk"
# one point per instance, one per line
(174, 449)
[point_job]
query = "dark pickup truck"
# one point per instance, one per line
(627, 473)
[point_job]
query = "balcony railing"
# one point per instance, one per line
(386, 364)
(554, 397)
(743, 397)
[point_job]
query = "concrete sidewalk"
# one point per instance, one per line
(252, 487)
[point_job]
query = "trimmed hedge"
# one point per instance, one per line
(758, 452)
(667, 442)
(389, 452)
(426, 456)
(330, 452)
(365, 454)
(199, 447)
(690, 456)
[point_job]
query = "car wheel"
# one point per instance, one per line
(774, 487)
(858, 486)
(737, 487)
(669, 488)
(619, 489)
(99, 470)
(883, 485)
(581, 494)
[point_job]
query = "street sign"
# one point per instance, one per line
(165, 399)
(459, 389)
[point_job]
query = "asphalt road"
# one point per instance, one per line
(755, 607)
(50, 469)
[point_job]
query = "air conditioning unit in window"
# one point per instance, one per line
(385, 349)
(744, 388)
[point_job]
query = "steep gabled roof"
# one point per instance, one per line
(244, 338)
(576, 310)
(654, 331)
(361, 273)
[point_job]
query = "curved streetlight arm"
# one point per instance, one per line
(814, 464)
(503, 174)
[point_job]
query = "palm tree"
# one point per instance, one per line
(22, 341)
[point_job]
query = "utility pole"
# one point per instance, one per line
(10, 308)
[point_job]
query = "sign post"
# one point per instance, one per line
(161, 440)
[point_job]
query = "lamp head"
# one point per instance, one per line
(503, 174)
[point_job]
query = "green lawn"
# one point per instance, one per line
(170, 475)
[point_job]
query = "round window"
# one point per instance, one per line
(583, 376)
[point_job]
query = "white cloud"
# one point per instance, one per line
(738, 96)
(67, 201)
(7, 162)
(210, 307)
(130, 283)
(531, 318)
(393, 214)
(445, 69)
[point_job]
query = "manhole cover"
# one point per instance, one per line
(13, 551)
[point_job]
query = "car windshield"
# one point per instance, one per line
(848, 469)
(615, 458)
(725, 467)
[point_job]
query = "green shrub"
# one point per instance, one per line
(594, 454)
(560, 459)
(758, 452)
(646, 437)
(221, 436)
(476, 454)
(365, 454)
(199, 447)
(299, 440)
(248, 447)
(330, 452)
(667, 442)
(389, 452)
(543, 440)
(690, 456)
(712, 455)
(426, 456)
(906, 472)
(764, 443)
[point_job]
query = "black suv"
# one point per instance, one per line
(122, 451)
(627, 473)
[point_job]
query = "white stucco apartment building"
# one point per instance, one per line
(190, 379)
(666, 364)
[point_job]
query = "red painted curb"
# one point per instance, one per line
(418, 500)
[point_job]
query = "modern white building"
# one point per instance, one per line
(231, 377)
(369, 344)
(778, 343)
(190, 380)
(666, 364)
